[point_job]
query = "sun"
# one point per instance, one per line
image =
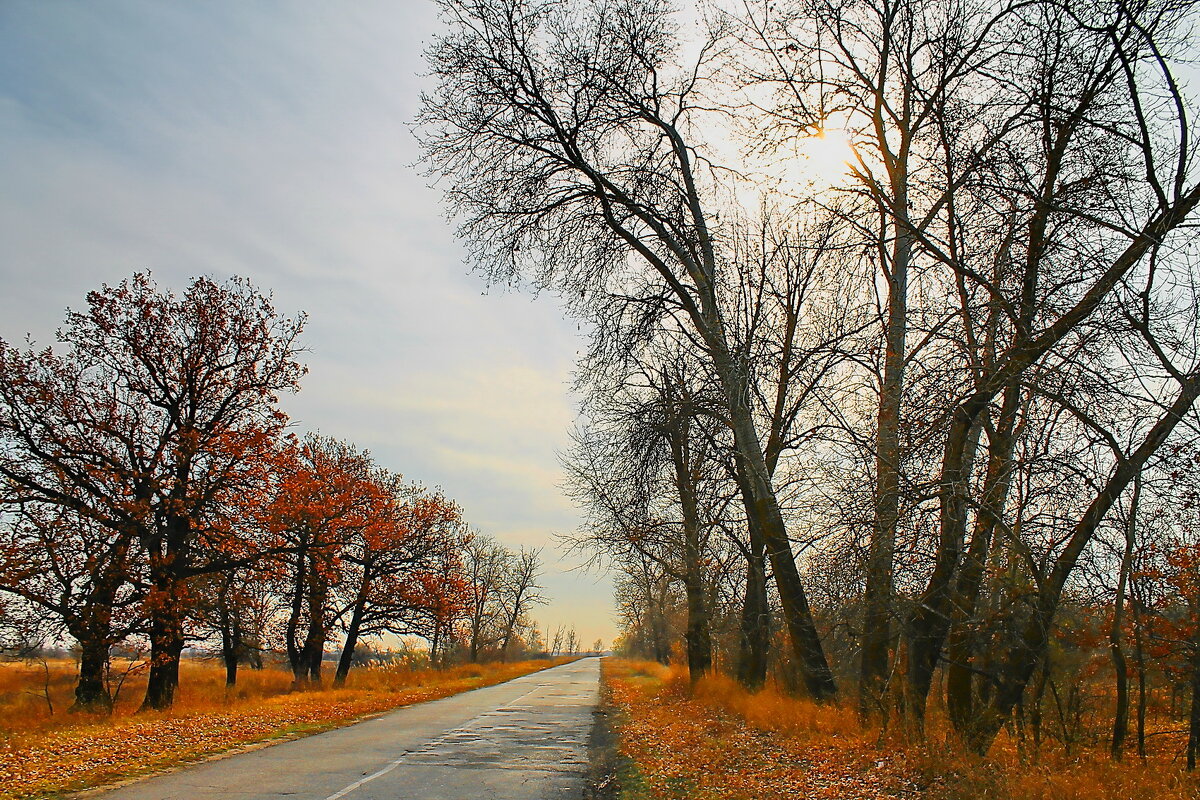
(826, 156)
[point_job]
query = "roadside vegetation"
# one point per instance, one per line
(45, 753)
(717, 741)
(154, 501)
(889, 398)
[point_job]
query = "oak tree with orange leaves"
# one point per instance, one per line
(324, 496)
(393, 562)
(154, 419)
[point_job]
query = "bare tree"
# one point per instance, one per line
(569, 138)
(520, 592)
(485, 564)
(645, 471)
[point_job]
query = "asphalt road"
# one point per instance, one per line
(521, 740)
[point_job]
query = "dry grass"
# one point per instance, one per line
(44, 754)
(949, 773)
(716, 740)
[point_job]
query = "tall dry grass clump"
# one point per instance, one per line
(950, 772)
(936, 768)
(771, 709)
(714, 739)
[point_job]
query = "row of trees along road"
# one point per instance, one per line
(913, 416)
(150, 492)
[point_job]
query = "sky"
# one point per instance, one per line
(271, 140)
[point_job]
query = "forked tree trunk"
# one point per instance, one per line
(292, 632)
(166, 635)
(1015, 666)
(797, 616)
(960, 645)
(763, 505)
(313, 651)
(167, 613)
(698, 638)
(929, 624)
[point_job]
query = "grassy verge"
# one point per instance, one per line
(51, 754)
(718, 742)
(715, 741)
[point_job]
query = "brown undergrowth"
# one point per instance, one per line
(45, 754)
(716, 741)
(1008, 772)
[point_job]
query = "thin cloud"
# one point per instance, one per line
(271, 142)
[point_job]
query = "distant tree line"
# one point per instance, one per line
(922, 427)
(151, 495)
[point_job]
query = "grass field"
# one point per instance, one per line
(45, 751)
(715, 741)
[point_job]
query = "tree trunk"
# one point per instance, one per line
(698, 636)
(91, 693)
(511, 623)
(231, 669)
(1035, 712)
(927, 627)
(1139, 658)
(1121, 712)
(1120, 671)
(166, 634)
(167, 612)
(347, 657)
(1193, 745)
(763, 505)
(166, 648)
(292, 633)
(960, 645)
(797, 617)
(476, 633)
(877, 596)
(230, 650)
(662, 647)
(756, 620)
(313, 651)
(230, 638)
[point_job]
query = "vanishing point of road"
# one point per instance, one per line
(526, 739)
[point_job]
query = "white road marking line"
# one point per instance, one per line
(391, 765)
